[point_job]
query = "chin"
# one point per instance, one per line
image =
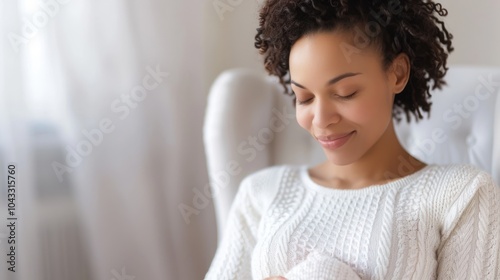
(340, 159)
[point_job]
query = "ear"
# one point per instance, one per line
(399, 72)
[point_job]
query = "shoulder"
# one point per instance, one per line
(460, 172)
(263, 185)
(454, 180)
(459, 185)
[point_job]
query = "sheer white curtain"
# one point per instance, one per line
(102, 103)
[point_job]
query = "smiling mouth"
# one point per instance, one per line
(337, 142)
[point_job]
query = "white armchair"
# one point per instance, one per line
(250, 124)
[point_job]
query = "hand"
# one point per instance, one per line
(276, 278)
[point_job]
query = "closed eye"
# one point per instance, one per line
(342, 97)
(347, 97)
(304, 102)
(300, 102)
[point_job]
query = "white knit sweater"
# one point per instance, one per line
(441, 222)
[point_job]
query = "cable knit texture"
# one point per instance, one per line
(441, 222)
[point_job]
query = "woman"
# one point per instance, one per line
(371, 210)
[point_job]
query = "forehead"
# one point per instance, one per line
(331, 52)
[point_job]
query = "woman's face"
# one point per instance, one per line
(341, 90)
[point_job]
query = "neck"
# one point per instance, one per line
(387, 160)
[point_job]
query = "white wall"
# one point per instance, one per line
(475, 26)
(230, 38)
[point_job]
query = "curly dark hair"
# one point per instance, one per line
(410, 26)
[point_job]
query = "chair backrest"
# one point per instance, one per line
(250, 125)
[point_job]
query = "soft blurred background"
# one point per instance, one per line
(101, 110)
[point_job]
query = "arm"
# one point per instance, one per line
(232, 259)
(470, 247)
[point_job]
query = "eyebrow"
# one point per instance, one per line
(330, 82)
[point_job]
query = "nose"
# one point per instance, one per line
(325, 113)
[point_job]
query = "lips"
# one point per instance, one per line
(334, 141)
(332, 137)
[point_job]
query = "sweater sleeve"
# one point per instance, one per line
(232, 259)
(470, 245)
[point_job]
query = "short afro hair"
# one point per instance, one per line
(405, 26)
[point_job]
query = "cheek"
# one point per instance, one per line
(358, 113)
(303, 119)
(374, 108)
(371, 118)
